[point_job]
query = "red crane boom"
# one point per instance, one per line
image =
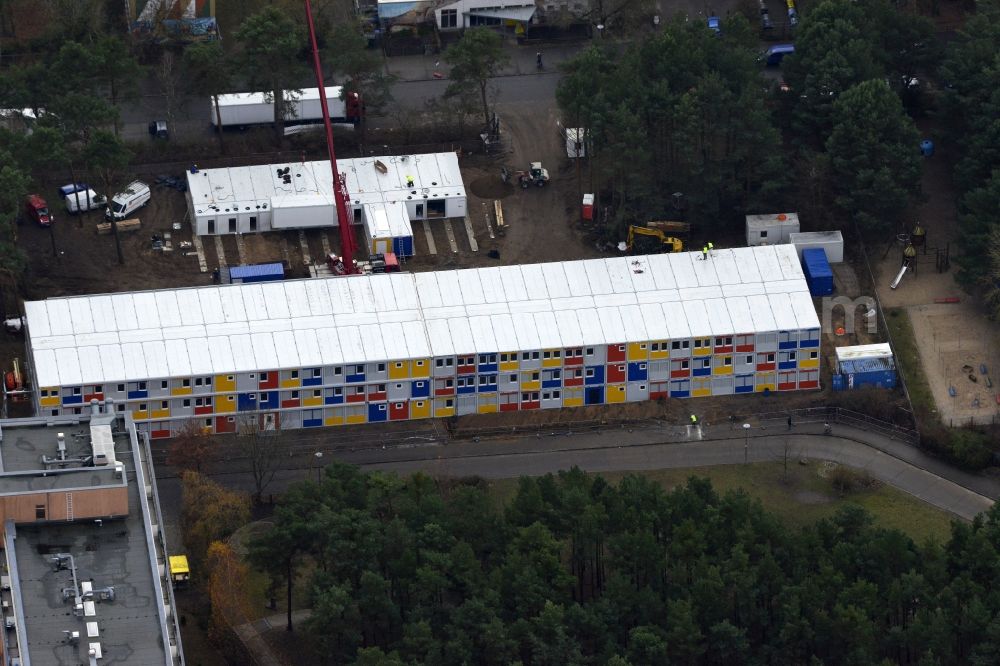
(345, 217)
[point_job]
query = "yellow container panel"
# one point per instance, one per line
(359, 418)
(420, 409)
(312, 402)
(225, 383)
(509, 366)
(638, 351)
(702, 351)
(290, 383)
(225, 404)
(140, 416)
(488, 408)
(615, 393)
(49, 402)
(701, 393)
(552, 362)
(333, 421)
(420, 368)
(181, 390)
(159, 414)
(809, 363)
(659, 355)
(444, 412)
(760, 388)
(531, 386)
(399, 370)
(723, 370)
(573, 402)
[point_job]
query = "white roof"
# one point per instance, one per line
(260, 187)
(879, 350)
(223, 329)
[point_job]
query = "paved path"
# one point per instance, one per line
(251, 635)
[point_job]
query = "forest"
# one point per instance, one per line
(574, 570)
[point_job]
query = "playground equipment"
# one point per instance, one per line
(911, 241)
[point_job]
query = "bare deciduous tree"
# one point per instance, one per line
(264, 447)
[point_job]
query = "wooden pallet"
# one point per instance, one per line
(124, 226)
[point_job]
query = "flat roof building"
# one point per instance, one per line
(327, 351)
(82, 560)
(299, 195)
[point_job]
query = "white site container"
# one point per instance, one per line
(831, 242)
(576, 142)
(773, 229)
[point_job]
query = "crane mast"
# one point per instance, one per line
(345, 217)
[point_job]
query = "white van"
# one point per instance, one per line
(129, 200)
(83, 200)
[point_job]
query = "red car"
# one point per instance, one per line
(36, 209)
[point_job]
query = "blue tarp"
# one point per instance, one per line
(256, 273)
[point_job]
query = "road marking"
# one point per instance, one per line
(471, 234)
(241, 249)
(326, 244)
(486, 216)
(200, 249)
(221, 251)
(304, 244)
(431, 247)
(451, 235)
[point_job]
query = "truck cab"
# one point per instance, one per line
(37, 210)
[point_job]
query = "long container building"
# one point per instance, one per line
(390, 347)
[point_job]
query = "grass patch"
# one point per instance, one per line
(798, 500)
(908, 360)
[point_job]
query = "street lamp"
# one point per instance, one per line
(319, 464)
(746, 443)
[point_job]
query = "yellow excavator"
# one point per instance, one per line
(642, 240)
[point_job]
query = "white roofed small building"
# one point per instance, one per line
(386, 195)
(398, 346)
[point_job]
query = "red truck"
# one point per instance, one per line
(36, 209)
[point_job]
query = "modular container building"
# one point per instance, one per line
(300, 195)
(771, 229)
(248, 109)
(254, 273)
(865, 365)
(819, 275)
(397, 346)
(831, 242)
(387, 229)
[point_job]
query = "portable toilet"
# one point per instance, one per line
(817, 270)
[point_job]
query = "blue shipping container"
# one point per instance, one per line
(819, 276)
(855, 373)
(256, 273)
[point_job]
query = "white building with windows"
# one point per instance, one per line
(471, 13)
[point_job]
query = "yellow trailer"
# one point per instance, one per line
(179, 570)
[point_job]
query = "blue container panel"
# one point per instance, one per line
(636, 373)
(487, 367)
(257, 273)
(246, 402)
(680, 394)
(701, 372)
(594, 395)
(789, 344)
(420, 389)
(269, 400)
(132, 395)
(552, 383)
(465, 389)
(744, 389)
(73, 400)
(312, 423)
(788, 365)
(403, 246)
(334, 400)
(312, 381)
(356, 379)
(378, 412)
(598, 377)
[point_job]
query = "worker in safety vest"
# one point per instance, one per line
(694, 420)
(704, 253)
(710, 248)
(409, 181)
